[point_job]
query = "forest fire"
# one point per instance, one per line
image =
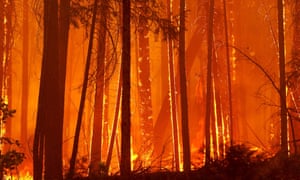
(97, 88)
(21, 176)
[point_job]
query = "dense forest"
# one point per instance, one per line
(149, 89)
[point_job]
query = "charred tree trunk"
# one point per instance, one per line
(54, 93)
(209, 81)
(48, 141)
(293, 78)
(296, 53)
(64, 26)
(96, 150)
(83, 95)
(125, 116)
(183, 92)
(283, 107)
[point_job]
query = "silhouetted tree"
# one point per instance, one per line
(96, 149)
(49, 126)
(125, 116)
(283, 107)
(294, 74)
(183, 92)
(209, 80)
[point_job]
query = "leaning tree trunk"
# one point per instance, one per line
(209, 80)
(183, 92)
(83, 95)
(283, 108)
(115, 122)
(125, 121)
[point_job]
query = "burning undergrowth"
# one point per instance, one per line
(240, 162)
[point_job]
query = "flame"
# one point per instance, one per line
(134, 157)
(26, 176)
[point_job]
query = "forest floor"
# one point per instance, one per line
(213, 173)
(240, 163)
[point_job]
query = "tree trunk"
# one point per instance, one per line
(25, 75)
(183, 92)
(209, 81)
(163, 119)
(172, 89)
(144, 88)
(83, 95)
(7, 78)
(48, 141)
(294, 77)
(96, 150)
(125, 164)
(283, 108)
(2, 14)
(228, 64)
(54, 92)
(115, 123)
(64, 26)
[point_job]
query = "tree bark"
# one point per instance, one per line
(64, 26)
(125, 164)
(48, 141)
(283, 108)
(183, 92)
(209, 81)
(96, 151)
